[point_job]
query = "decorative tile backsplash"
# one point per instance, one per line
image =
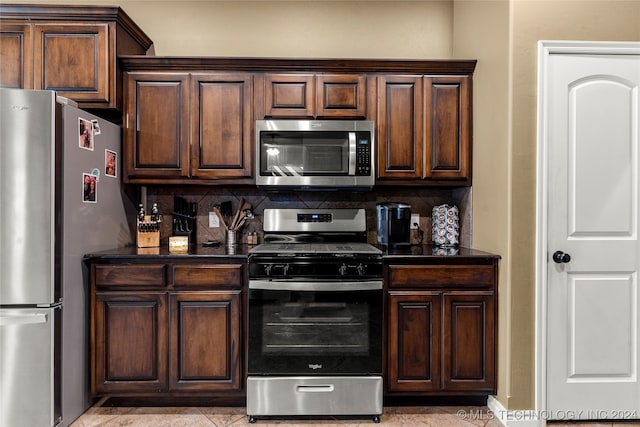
(421, 200)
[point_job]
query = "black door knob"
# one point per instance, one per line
(561, 257)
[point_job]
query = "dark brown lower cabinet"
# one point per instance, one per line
(175, 328)
(468, 341)
(167, 330)
(130, 342)
(414, 341)
(441, 329)
(205, 338)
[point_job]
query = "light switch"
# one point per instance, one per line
(214, 221)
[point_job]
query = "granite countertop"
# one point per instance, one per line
(241, 251)
(195, 251)
(431, 251)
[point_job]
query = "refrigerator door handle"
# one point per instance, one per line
(25, 319)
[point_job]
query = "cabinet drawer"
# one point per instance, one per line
(428, 276)
(130, 275)
(228, 275)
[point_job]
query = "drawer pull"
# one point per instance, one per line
(314, 388)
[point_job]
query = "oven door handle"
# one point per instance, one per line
(275, 285)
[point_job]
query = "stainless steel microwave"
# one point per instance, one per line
(315, 154)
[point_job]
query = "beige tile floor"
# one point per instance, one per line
(235, 416)
(406, 416)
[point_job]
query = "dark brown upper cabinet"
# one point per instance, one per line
(69, 49)
(156, 126)
(191, 119)
(221, 125)
(424, 130)
(313, 96)
(183, 127)
(16, 67)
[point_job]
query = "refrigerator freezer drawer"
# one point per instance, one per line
(29, 383)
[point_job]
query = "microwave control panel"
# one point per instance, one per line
(363, 154)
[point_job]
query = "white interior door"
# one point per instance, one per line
(590, 117)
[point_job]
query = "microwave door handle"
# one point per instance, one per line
(352, 153)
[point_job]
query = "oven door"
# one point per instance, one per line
(315, 327)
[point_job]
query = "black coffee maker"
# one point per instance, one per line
(394, 223)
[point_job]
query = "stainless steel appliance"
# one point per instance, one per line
(393, 224)
(315, 154)
(49, 218)
(315, 316)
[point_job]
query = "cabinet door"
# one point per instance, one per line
(400, 126)
(221, 123)
(205, 341)
(74, 60)
(289, 95)
(448, 128)
(130, 342)
(413, 356)
(468, 359)
(16, 66)
(156, 134)
(341, 95)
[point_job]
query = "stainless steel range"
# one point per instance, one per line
(315, 316)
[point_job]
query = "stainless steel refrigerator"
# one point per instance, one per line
(60, 198)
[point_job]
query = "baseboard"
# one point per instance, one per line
(163, 401)
(514, 418)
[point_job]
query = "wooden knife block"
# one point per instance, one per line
(147, 239)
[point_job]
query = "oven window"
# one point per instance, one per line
(304, 153)
(323, 327)
(294, 332)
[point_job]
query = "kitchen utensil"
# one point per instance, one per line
(236, 217)
(225, 208)
(241, 222)
(220, 217)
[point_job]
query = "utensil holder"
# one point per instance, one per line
(148, 233)
(231, 238)
(184, 225)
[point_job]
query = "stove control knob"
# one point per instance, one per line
(285, 269)
(360, 270)
(343, 270)
(267, 269)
